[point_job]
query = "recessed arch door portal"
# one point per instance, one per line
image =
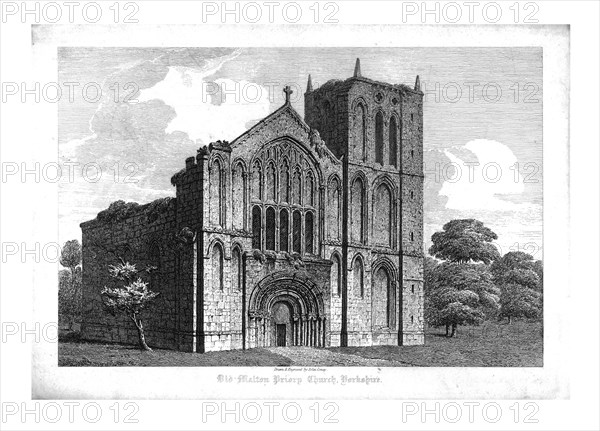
(285, 311)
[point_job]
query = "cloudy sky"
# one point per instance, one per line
(482, 122)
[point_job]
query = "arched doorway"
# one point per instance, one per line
(286, 310)
(282, 324)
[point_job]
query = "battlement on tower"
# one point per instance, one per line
(345, 112)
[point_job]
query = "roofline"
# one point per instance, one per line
(352, 79)
(279, 110)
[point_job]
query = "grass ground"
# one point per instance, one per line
(519, 344)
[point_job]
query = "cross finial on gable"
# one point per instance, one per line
(288, 92)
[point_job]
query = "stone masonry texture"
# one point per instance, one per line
(298, 232)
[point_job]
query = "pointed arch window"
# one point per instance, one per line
(333, 210)
(270, 182)
(217, 266)
(379, 298)
(358, 277)
(284, 183)
(284, 230)
(393, 142)
(357, 200)
(379, 138)
(256, 181)
(270, 229)
(309, 233)
(256, 227)
(238, 197)
(336, 275)
(360, 133)
(309, 190)
(297, 232)
(382, 216)
(216, 193)
(236, 269)
(297, 188)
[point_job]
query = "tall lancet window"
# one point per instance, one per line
(217, 267)
(256, 181)
(360, 133)
(270, 182)
(309, 233)
(270, 228)
(333, 210)
(358, 276)
(309, 191)
(284, 183)
(285, 199)
(297, 187)
(236, 269)
(284, 230)
(380, 306)
(216, 193)
(357, 200)
(256, 227)
(238, 199)
(382, 216)
(297, 232)
(379, 138)
(336, 275)
(393, 142)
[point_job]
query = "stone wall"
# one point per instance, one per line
(336, 110)
(206, 293)
(132, 239)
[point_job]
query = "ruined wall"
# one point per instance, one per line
(326, 110)
(133, 238)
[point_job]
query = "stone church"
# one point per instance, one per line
(299, 232)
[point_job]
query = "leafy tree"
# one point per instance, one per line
(460, 290)
(459, 294)
(429, 286)
(516, 274)
(69, 282)
(463, 241)
(69, 296)
(519, 301)
(70, 256)
(538, 268)
(130, 299)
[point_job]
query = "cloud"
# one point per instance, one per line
(480, 182)
(138, 146)
(209, 110)
(491, 192)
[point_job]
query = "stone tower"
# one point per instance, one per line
(376, 129)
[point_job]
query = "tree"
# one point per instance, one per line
(516, 274)
(69, 296)
(70, 256)
(459, 294)
(460, 290)
(429, 286)
(519, 301)
(538, 268)
(463, 241)
(130, 299)
(69, 282)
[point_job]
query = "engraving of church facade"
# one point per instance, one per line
(301, 231)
